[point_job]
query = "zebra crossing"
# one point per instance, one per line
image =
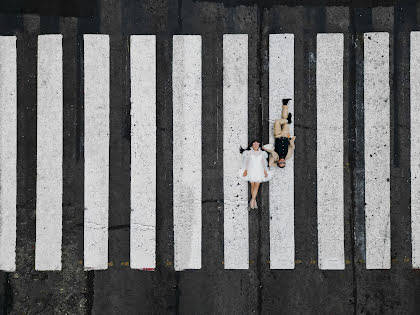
(49, 153)
(415, 145)
(377, 151)
(330, 150)
(281, 197)
(235, 122)
(187, 156)
(186, 82)
(8, 152)
(96, 144)
(143, 135)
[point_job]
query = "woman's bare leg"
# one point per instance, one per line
(252, 189)
(254, 193)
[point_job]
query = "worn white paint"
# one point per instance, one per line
(187, 165)
(235, 133)
(377, 150)
(8, 152)
(330, 165)
(415, 146)
(96, 150)
(49, 174)
(281, 190)
(143, 151)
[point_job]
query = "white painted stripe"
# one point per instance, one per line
(415, 146)
(377, 150)
(96, 150)
(330, 150)
(8, 152)
(281, 195)
(143, 151)
(49, 184)
(235, 133)
(186, 80)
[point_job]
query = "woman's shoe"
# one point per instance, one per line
(250, 204)
(256, 206)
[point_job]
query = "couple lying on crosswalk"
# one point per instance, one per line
(255, 167)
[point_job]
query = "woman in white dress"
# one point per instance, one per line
(254, 169)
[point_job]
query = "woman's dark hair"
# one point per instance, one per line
(241, 150)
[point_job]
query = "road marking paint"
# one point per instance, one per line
(96, 149)
(143, 151)
(330, 150)
(187, 159)
(281, 196)
(235, 134)
(8, 152)
(415, 146)
(49, 172)
(377, 150)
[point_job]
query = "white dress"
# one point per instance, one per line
(255, 162)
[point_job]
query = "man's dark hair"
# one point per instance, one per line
(283, 166)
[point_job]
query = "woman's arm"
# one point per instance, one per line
(264, 160)
(245, 159)
(245, 162)
(264, 163)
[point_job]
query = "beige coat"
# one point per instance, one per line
(274, 157)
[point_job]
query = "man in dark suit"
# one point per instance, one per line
(284, 144)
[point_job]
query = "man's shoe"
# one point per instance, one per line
(286, 100)
(289, 118)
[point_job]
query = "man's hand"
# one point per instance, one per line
(265, 173)
(244, 174)
(268, 147)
